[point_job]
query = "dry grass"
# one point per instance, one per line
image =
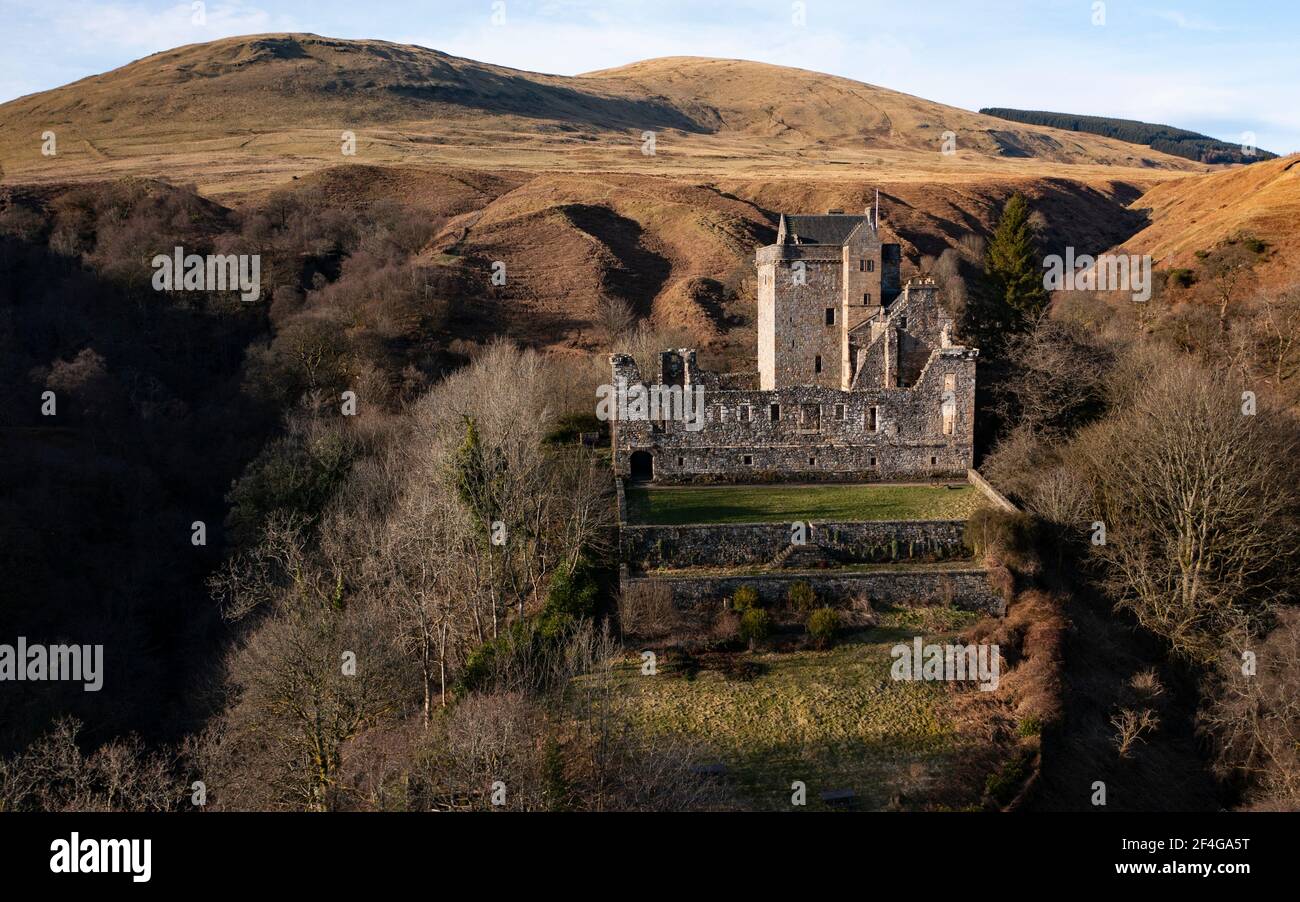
(833, 719)
(252, 110)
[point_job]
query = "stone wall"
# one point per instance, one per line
(880, 430)
(750, 544)
(994, 496)
(967, 588)
(813, 433)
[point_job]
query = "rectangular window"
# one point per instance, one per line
(839, 411)
(934, 461)
(749, 460)
(745, 413)
(866, 297)
(817, 364)
(830, 316)
(871, 266)
(873, 461)
(681, 461)
(812, 461)
(871, 419)
(810, 417)
(949, 406)
(775, 412)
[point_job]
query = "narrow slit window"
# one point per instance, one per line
(817, 364)
(830, 316)
(871, 419)
(775, 412)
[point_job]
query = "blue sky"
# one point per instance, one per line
(1215, 67)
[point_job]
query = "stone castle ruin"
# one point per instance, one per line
(858, 376)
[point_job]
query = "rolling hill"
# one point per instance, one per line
(547, 173)
(245, 113)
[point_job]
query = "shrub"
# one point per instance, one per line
(801, 597)
(755, 625)
(647, 610)
(574, 595)
(297, 474)
(726, 628)
(745, 597)
(1011, 536)
(1181, 278)
(1003, 785)
(822, 624)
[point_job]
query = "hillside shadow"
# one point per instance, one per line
(519, 96)
(642, 273)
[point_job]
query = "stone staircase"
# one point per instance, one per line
(810, 556)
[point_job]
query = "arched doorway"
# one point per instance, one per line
(642, 466)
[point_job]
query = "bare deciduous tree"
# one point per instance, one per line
(1255, 715)
(1198, 501)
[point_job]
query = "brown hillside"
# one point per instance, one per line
(247, 113)
(813, 110)
(546, 173)
(1193, 214)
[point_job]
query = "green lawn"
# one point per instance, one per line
(674, 505)
(834, 719)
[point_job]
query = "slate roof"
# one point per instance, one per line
(830, 229)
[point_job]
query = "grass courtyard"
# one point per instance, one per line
(676, 505)
(834, 719)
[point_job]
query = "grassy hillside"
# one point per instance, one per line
(1190, 215)
(245, 113)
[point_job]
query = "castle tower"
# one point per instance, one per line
(824, 277)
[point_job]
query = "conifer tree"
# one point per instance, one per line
(1012, 296)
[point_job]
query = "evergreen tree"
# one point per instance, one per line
(477, 474)
(1012, 296)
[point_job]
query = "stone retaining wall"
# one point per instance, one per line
(749, 544)
(966, 588)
